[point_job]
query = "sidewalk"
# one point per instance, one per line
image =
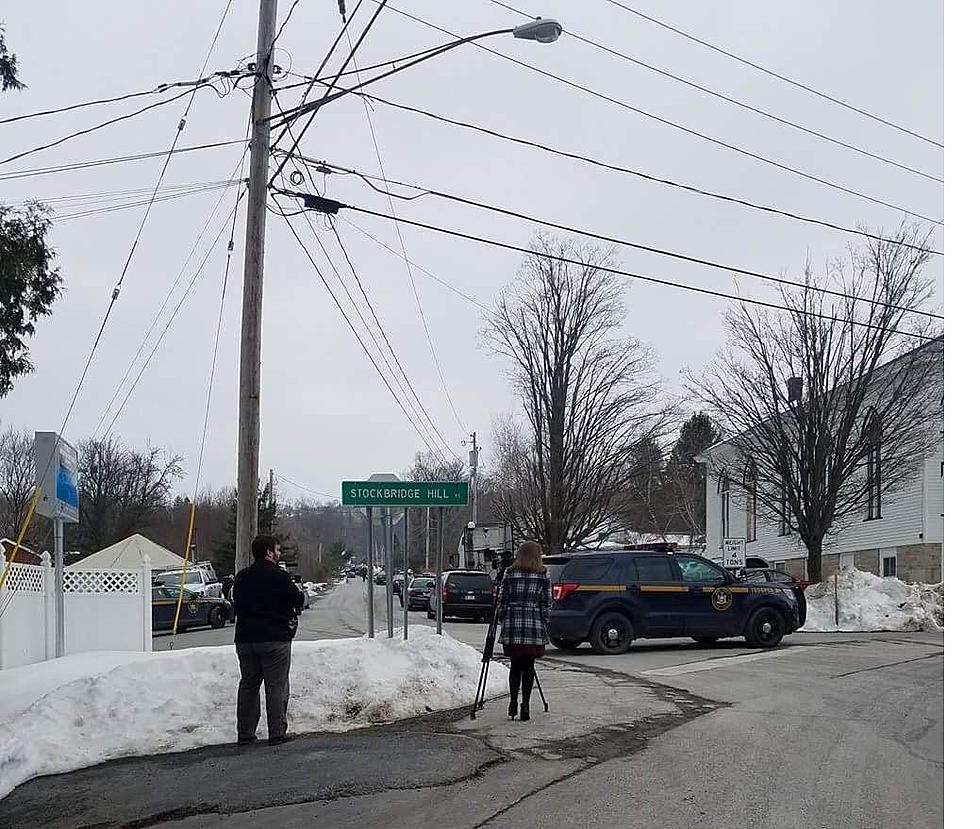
(338, 779)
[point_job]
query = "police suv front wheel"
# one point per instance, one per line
(765, 628)
(612, 633)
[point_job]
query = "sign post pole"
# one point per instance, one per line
(389, 566)
(439, 571)
(370, 575)
(405, 580)
(59, 587)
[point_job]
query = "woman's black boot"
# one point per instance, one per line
(512, 708)
(525, 712)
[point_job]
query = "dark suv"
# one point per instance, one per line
(467, 593)
(613, 597)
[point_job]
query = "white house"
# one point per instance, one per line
(899, 535)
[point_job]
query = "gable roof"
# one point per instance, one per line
(128, 555)
(25, 555)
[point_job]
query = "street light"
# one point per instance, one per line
(542, 30)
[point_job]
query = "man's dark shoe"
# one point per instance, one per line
(246, 741)
(276, 741)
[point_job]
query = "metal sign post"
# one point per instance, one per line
(56, 475)
(370, 575)
(389, 566)
(439, 571)
(405, 582)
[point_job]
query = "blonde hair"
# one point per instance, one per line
(528, 558)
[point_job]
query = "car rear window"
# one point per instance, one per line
(554, 565)
(421, 583)
(470, 582)
(586, 569)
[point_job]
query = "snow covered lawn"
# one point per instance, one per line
(868, 602)
(85, 709)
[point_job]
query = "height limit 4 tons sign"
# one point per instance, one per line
(734, 553)
(404, 493)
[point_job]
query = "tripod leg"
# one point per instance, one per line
(481, 685)
(537, 682)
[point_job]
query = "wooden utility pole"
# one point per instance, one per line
(251, 343)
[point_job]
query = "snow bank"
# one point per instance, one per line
(88, 708)
(868, 602)
(318, 588)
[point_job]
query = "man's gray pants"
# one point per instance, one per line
(263, 662)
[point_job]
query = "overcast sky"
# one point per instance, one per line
(326, 416)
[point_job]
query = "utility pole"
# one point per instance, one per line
(428, 537)
(474, 462)
(251, 343)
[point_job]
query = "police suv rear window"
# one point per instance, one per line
(653, 568)
(586, 569)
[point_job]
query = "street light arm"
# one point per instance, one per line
(291, 114)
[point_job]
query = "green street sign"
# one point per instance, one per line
(404, 493)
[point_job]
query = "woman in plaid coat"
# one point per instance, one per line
(525, 602)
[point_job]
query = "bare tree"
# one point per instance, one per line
(430, 467)
(587, 393)
(867, 405)
(120, 491)
(16, 479)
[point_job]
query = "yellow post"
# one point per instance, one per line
(183, 572)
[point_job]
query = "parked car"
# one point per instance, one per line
(196, 580)
(772, 576)
(466, 594)
(196, 610)
(612, 597)
(419, 590)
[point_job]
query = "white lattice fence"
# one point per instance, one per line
(102, 581)
(25, 578)
(104, 610)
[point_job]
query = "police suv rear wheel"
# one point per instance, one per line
(612, 634)
(765, 628)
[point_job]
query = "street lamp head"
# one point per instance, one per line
(542, 30)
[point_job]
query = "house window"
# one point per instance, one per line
(751, 483)
(889, 565)
(724, 493)
(871, 436)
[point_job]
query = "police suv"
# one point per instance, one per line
(612, 597)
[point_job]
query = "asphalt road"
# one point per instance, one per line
(827, 730)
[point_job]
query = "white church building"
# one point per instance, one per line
(900, 535)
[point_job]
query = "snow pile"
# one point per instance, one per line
(84, 709)
(868, 602)
(315, 588)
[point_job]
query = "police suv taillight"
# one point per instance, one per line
(560, 590)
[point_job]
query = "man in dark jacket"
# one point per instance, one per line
(267, 607)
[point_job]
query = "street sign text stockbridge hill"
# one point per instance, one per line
(405, 493)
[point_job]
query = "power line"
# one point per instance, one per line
(343, 66)
(122, 159)
(173, 315)
(99, 211)
(100, 126)
(777, 75)
(408, 267)
(417, 266)
(721, 96)
(687, 130)
(164, 87)
(526, 142)
(332, 206)
(418, 406)
(306, 488)
(624, 242)
(357, 336)
(394, 354)
(166, 299)
(118, 286)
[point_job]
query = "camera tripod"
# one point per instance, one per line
(481, 685)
